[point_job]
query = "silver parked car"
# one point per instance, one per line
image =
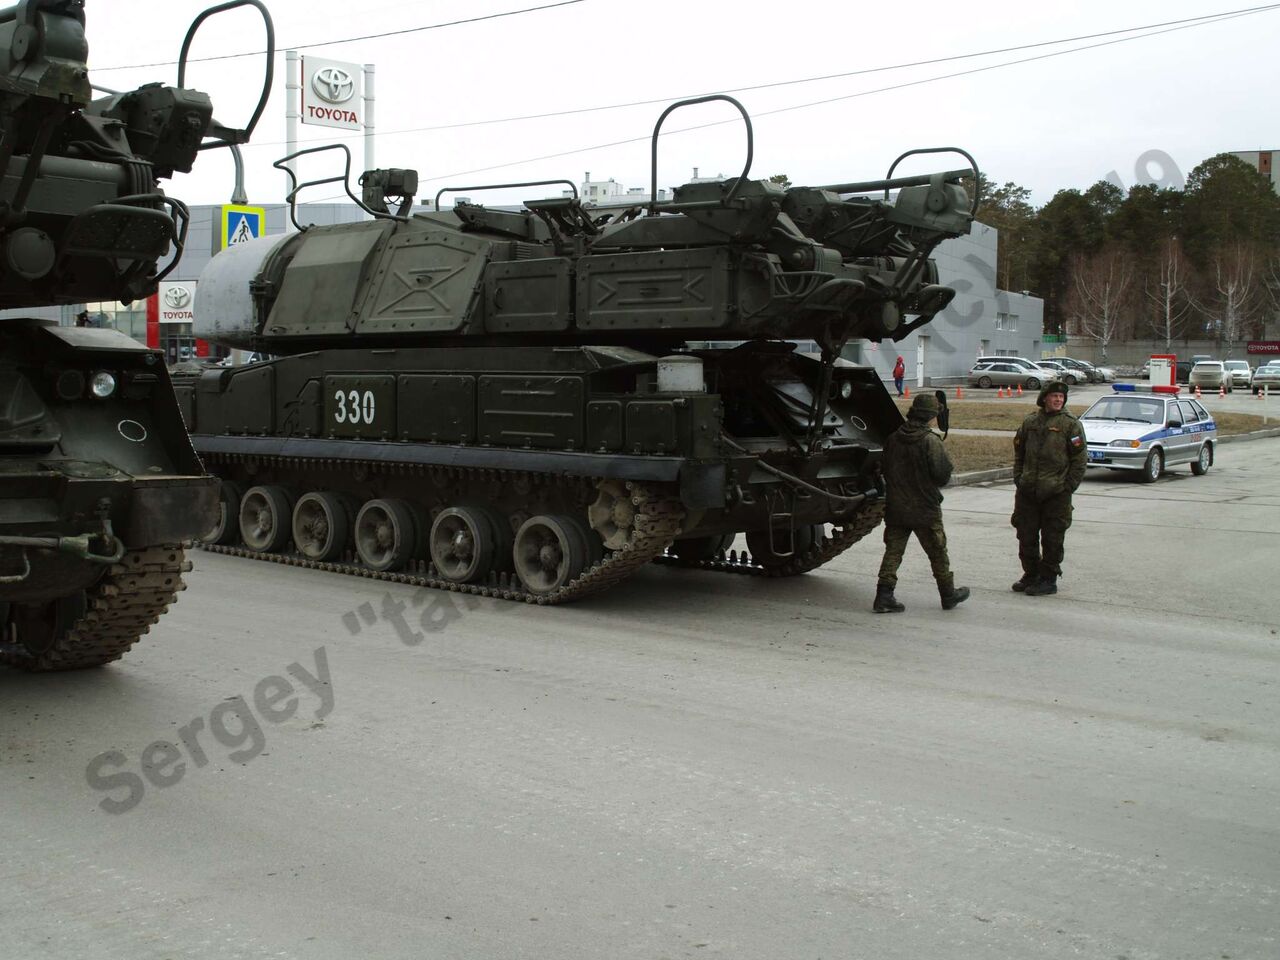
(1210, 375)
(1060, 371)
(1003, 373)
(1268, 376)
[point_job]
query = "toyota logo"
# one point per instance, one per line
(175, 298)
(333, 84)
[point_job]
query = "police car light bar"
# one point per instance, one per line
(1133, 388)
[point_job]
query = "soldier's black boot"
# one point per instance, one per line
(885, 602)
(1043, 587)
(1021, 584)
(950, 594)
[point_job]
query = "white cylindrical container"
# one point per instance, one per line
(223, 310)
(680, 373)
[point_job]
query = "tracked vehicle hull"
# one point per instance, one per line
(535, 403)
(631, 472)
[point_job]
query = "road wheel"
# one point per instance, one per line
(984, 383)
(463, 543)
(1033, 383)
(592, 542)
(265, 518)
(549, 553)
(227, 529)
(386, 534)
(322, 525)
(1152, 468)
(1202, 463)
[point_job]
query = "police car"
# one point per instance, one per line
(1148, 429)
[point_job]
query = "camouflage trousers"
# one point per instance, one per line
(934, 540)
(1042, 532)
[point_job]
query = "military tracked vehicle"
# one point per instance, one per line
(533, 403)
(99, 485)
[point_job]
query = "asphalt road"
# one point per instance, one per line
(695, 765)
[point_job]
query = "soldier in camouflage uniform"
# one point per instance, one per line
(1049, 455)
(915, 466)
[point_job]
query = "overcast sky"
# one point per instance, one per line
(1065, 121)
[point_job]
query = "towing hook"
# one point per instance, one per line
(81, 547)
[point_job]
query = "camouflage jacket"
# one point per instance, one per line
(1049, 454)
(915, 466)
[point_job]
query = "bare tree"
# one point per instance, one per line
(1100, 289)
(1169, 291)
(1235, 286)
(1271, 281)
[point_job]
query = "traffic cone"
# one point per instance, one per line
(1198, 397)
(959, 393)
(1222, 391)
(999, 391)
(906, 392)
(1019, 389)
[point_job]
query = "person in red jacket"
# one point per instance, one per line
(899, 371)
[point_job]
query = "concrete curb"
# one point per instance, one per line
(981, 476)
(1006, 473)
(1255, 435)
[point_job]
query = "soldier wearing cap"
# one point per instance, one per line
(1049, 456)
(915, 466)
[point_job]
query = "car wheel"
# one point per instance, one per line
(1202, 463)
(1033, 383)
(984, 383)
(1152, 468)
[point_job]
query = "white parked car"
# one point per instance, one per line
(1241, 372)
(1210, 375)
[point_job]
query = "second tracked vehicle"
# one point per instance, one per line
(100, 488)
(533, 403)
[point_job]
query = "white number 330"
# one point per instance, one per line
(354, 407)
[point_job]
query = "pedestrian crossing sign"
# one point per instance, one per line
(241, 223)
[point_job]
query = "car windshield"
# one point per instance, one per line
(1136, 409)
(1207, 365)
(1237, 365)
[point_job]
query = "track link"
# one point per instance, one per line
(865, 519)
(119, 609)
(657, 522)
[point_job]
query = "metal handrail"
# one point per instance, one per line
(228, 136)
(654, 206)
